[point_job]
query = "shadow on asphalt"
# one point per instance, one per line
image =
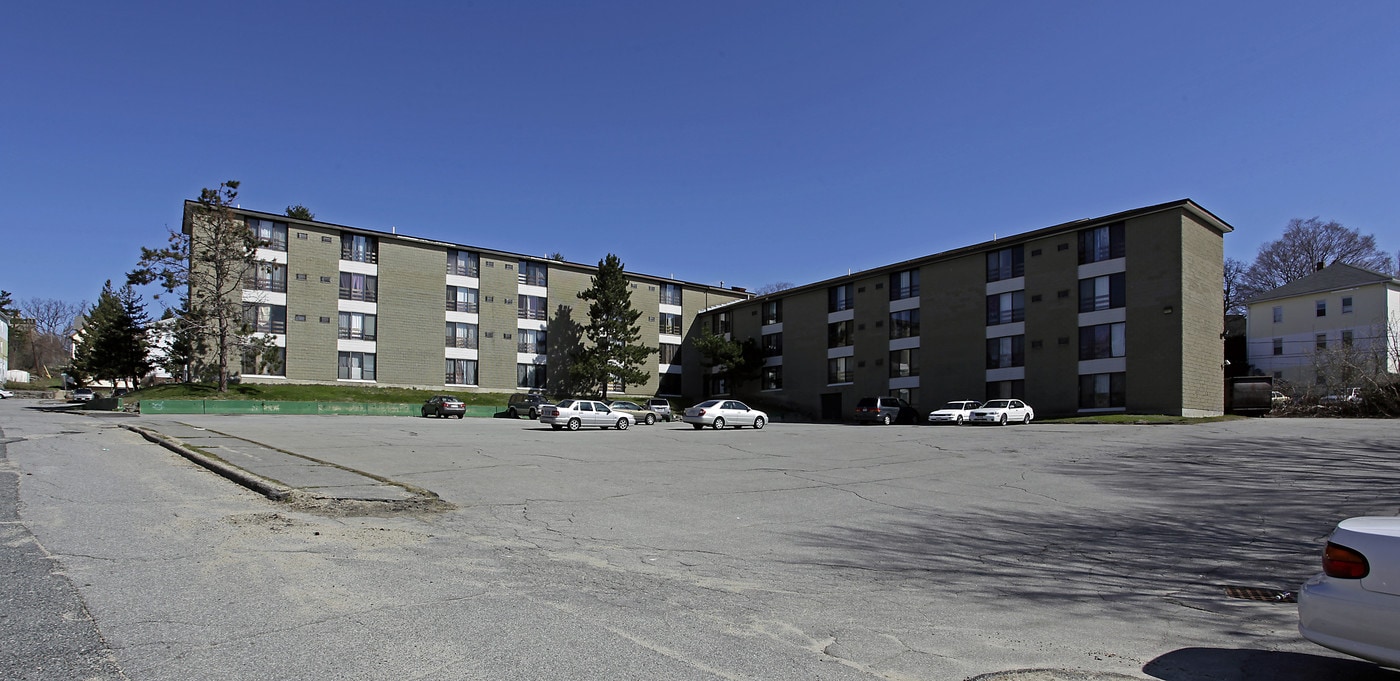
(1232, 664)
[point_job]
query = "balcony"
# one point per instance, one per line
(359, 294)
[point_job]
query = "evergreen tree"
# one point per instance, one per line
(210, 265)
(113, 344)
(615, 351)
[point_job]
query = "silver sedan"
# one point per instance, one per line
(720, 413)
(575, 414)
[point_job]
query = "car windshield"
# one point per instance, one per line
(565, 404)
(624, 405)
(997, 404)
(957, 405)
(707, 403)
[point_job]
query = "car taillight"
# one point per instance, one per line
(700, 412)
(1344, 563)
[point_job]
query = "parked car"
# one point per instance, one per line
(956, 412)
(575, 414)
(720, 413)
(639, 413)
(662, 407)
(1348, 395)
(5, 394)
(83, 395)
(1279, 399)
(525, 403)
(444, 405)
(885, 410)
(1002, 412)
(1353, 605)
(120, 392)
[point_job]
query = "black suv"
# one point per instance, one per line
(885, 410)
(526, 403)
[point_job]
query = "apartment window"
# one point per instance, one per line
(1102, 341)
(357, 326)
(1005, 308)
(356, 286)
(1007, 351)
(265, 318)
(670, 324)
(463, 263)
(773, 378)
(670, 353)
(268, 276)
(1347, 339)
(1097, 244)
(840, 334)
(462, 299)
(1103, 391)
(355, 366)
(1321, 341)
(1103, 293)
(840, 298)
(669, 384)
(461, 372)
(533, 274)
(670, 294)
(1278, 346)
(772, 344)
(772, 311)
(904, 284)
(839, 370)
(532, 307)
(1322, 308)
(270, 235)
(359, 248)
(270, 361)
(720, 323)
(1346, 305)
(530, 376)
(1007, 263)
(718, 384)
(461, 335)
(904, 363)
(532, 341)
(904, 324)
(1278, 314)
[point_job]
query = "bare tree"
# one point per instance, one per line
(773, 287)
(210, 262)
(1307, 245)
(1234, 297)
(52, 323)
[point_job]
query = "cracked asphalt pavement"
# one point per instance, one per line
(1025, 553)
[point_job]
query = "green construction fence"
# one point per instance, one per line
(298, 408)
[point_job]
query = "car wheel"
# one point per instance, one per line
(424, 412)
(622, 424)
(575, 424)
(697, 426)
(556, 426)
(758, 423)
(1027, 420)
(959, 422)
(514, 414)
(1003, 419)
(533, 414)
(719, 423)
(651, 419)
(462, 415)
(886, 419)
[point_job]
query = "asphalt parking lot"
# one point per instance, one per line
(798, 551)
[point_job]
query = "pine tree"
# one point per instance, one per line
(614, 351)
(130, 343)
(113, 344)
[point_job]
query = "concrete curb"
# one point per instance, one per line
(267, 488)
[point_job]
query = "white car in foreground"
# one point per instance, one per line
(575, 414)
(1353, 605)
(720, 413)
(956, 413)
(1002, 412)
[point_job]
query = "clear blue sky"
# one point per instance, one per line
(744, 142)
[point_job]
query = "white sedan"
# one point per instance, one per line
(1353, 605)
(575, 414)
(720, 413)
(1002, 412)
(5, 394)
(954, 412)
